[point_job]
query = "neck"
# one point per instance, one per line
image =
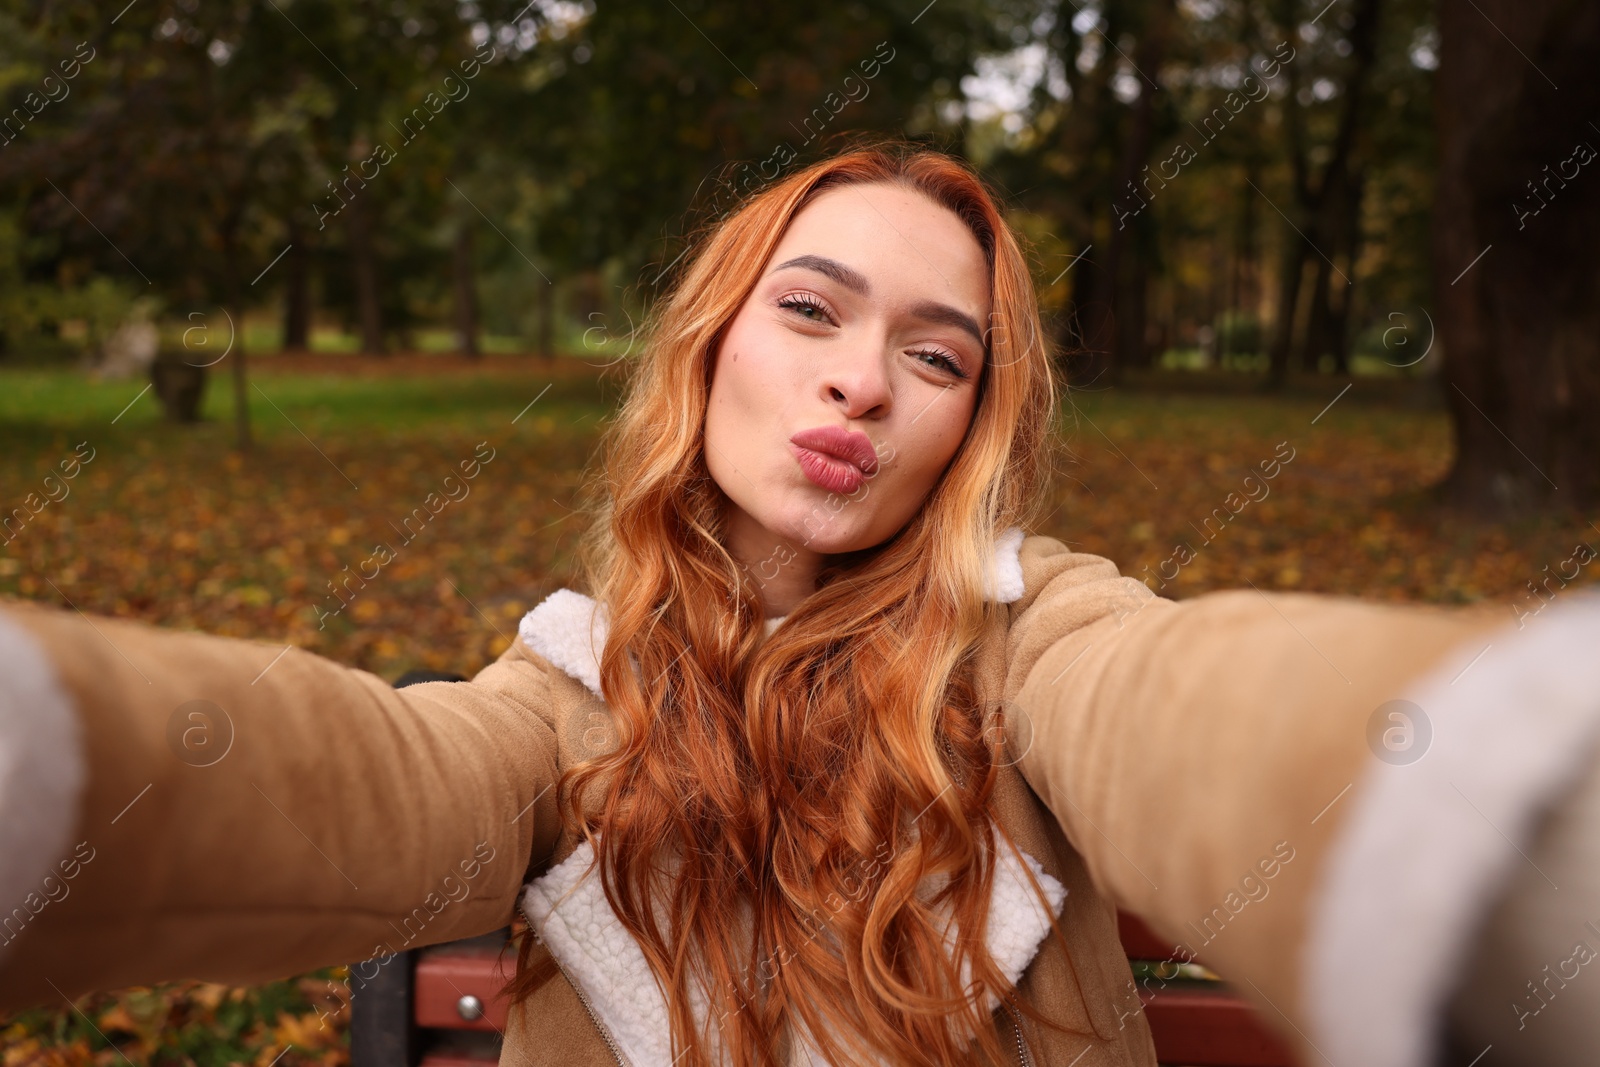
(783, 572)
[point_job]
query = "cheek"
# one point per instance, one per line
(733, 403)
(757, 382)
(748, 366)
(725, 425)
(742, 407)
(934, 438)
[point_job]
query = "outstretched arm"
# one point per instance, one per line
(1319, 797)
(181, 805)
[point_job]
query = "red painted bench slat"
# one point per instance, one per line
(1198, 1025)
(458, 1059)
(1193, 1025)
(1141, 943)
(446, 973)
(1210, 1028)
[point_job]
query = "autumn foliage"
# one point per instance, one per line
(1190, 491)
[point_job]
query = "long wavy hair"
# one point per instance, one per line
(781, 816)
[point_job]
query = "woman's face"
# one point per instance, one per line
(868, 319)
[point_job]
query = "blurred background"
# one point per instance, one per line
(1322, 277)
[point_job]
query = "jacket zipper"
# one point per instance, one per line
(1024, 1057)
(951, 750)
(604, 1033)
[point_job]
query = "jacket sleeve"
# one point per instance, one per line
(1316, 796)
(181, 805)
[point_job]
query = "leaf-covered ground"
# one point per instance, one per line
(168, 524)
(282, 1024)
(1176, 489)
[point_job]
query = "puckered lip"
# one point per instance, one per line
(851, 446)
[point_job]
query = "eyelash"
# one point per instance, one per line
(802, 300)
(797, 301)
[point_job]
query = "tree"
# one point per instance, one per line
(1116, 305)
(1517, 251)
(159, 170)
(659, 107)
(1081, 160)
(1327, 205)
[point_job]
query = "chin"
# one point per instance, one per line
(833, 542)
(814, 526)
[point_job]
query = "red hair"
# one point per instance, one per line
(801, 787)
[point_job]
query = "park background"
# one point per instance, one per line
(270, 272)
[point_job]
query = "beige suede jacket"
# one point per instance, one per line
(1305, 791)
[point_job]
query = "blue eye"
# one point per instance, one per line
(802, 303)
(949, 364)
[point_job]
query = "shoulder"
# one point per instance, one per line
(1063, 592)
(548, 667)
(1052, 573)
(567, 630)
(562, 640)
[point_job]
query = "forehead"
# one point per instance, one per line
(908, 245)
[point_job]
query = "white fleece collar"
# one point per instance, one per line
(568, 908)
(569, 628)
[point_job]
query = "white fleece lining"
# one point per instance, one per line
(41, 770)
(1006, 586)
(567, 626)
(569, 909)
(1416, 866)
(565, 629)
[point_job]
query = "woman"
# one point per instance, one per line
(836, 765)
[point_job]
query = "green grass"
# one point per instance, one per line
(42, 407)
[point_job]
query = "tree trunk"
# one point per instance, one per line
(1290, 268)
(1291, 263)
(1130, 242)
(1341, 312)
(1516, 247)
(364, 260)
(1320, 207)
(1133, 349)
(547, 322)
(466, 292)
(1089, 330)
(1320, 320)
(233, 297)
(1337, 203)
(1245, 296)
(1109, 145)
(297, 292)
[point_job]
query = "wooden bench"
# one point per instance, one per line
(440, 1006)
(1197, 1023)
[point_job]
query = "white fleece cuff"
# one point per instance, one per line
(41, 772)
(1415, 869)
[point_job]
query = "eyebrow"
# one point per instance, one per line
(856, 282)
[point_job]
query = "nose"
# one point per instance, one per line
(858, 384)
